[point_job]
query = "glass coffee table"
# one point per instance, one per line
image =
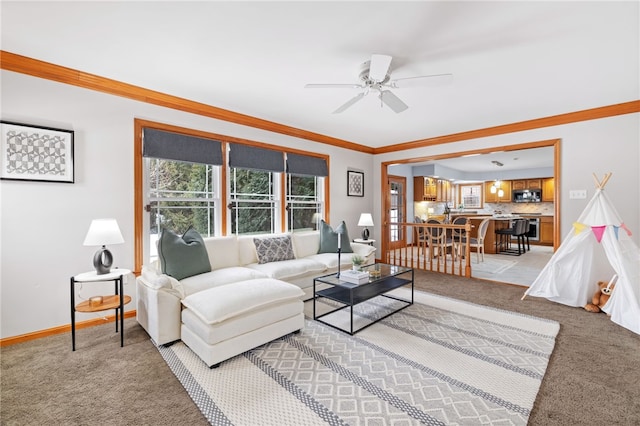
(349, 294)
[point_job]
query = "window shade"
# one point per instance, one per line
(174, 146)
(298, 164)
(251, 157)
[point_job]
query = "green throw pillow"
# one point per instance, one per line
(182, 257)
(329, 238)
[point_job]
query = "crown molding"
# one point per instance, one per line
(34, 67)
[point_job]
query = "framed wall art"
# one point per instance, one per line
(36, 153)
(355, 184)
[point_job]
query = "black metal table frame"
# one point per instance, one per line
(119, 291)
(350, 288)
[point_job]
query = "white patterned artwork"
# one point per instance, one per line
(36, 153)
(355, 184)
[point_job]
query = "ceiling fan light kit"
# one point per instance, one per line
(375, 75)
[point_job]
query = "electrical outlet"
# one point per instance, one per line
(577, 194)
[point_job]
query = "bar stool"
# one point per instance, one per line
(503, 237)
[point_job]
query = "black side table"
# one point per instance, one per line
(114, 301)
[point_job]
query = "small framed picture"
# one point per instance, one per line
(355, 184)
(36, 153)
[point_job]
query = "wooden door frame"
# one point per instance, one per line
(555, 143)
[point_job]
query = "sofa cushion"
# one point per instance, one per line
(305, 243)
(273, 249)
(329, 238)
(219, 277)
(247, 250)
(220, 303)
(286, 269)
(184, 256)
(223, 251)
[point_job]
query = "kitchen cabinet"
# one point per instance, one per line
(443, 191)
(534, 184)
(505, 185)
(424, 189)
(431, 189)
(548, 189)
(546, 230)
(526, 184)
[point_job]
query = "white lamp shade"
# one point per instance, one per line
(103, 232)
(365, 220)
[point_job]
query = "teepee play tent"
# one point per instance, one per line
(598, 247)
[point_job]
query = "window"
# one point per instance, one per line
(304, 201)
(253, 196)
(471, 196)
(181, 195)
(190, 178)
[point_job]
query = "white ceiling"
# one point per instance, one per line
(511, 61)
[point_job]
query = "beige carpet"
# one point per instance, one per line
(591, 378)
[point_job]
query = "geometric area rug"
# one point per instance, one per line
(440, 361)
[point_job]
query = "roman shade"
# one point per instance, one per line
(298, 164)
(175, 146)
(251, 157)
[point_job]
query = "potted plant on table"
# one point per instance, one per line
(356, 262)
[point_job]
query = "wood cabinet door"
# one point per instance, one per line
(488, 196)
(548, 189)
(546, 230)
(418, 188)
(430, 190)
(534, 184)
(518, 184)
(443, 191)
(506, 187)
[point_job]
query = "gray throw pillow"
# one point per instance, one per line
(274, 249)
(329, 238)
(182, 257)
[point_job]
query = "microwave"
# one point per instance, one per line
(527, 196)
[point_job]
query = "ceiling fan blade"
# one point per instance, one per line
(423, 80)
(379, 67)
(333, 86)
(392, 101)
(350, 102)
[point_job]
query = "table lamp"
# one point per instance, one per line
(365, 220)
(103, 232)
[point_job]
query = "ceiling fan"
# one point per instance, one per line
(375, 76)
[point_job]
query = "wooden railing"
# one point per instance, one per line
(431, 247)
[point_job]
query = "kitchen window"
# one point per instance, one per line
(471, 196)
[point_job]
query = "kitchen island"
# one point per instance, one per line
(494, 224)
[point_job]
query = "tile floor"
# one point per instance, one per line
(524, 271)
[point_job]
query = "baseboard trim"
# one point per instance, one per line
(61, 329)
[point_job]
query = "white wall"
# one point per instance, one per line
(43, 225)
(597, 146)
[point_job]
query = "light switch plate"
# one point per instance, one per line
(577, 194)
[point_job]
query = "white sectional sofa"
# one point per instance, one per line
(233, 259)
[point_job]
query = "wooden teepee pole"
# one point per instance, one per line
(605, 179)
